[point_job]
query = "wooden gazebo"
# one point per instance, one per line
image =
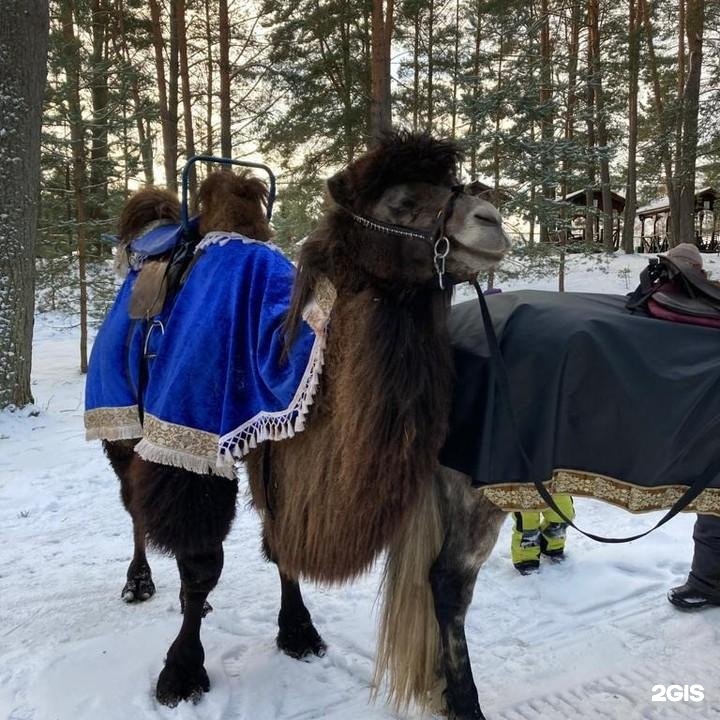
(707, 224)
(487, 192)
(579, 200)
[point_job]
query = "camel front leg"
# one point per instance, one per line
(297, 636)
(472, 526)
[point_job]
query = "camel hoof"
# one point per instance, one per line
(301, 641)
(176, 684)
(139, 587)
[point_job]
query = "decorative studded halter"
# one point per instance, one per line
(437, 235)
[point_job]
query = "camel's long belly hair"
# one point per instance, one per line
(340, 490)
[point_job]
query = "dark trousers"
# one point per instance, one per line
(705, 573)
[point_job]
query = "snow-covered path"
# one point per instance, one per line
(588, 638)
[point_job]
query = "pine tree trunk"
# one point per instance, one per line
(169, 133)
(416, 70)
(225, 137)
(209, 140)
(571, 90)
(664, 143)
(71, 61)
(381, 37)
(181, 31)
(476, 90)
(602, 136)
(99, 94)
(23, 57)
(628, 237)
(173, 90)
(144, 140)
(590, 212)
(694, 27)
(496, 140)
(547, 162)
(430, 67)
(456, 71)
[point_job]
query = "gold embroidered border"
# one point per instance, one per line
(514, 497)
(121, 423)
(180, 438)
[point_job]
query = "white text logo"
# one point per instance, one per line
(678, 693)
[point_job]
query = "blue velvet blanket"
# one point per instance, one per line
(216, 384)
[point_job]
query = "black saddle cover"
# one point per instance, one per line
(596, 390)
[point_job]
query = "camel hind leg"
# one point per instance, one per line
(472, 524)
(139, 585)
(188, 515)
(429, 576)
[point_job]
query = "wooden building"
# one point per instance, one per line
(654, 221)
(578, 199)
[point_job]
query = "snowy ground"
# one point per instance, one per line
(586, 639)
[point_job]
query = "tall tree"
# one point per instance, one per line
(224, 68)
(694, 26)
(628, 243)
(167, 94)
(23, 63)
(209, 70)
(100, 14)
(381, 38)
(677, 117)
(547, 111)
(181, 32)
(319, 64)
(601, 122)
(72, 63)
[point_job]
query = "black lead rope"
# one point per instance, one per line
(503, 386)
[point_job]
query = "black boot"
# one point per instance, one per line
(687, 597)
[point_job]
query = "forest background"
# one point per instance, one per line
(546, 97)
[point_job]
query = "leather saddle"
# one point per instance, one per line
(160, 255)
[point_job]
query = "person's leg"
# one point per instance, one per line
(702, 587)
(525, 544)
(553, 528)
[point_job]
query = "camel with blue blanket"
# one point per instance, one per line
(369, 415)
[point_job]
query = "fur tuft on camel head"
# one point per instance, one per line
(234, 202)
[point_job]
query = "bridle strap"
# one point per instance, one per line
(403, 230)
(437, 235)
(388, 228)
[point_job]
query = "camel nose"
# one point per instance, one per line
(487, 215)
(486, 219)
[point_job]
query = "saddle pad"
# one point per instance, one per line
(609, 404)
(217, 382)
(161, 239)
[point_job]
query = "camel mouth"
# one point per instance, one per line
(494, 255)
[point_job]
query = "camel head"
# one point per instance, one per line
(234, 202)
(402, 209)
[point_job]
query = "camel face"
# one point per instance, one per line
(474, 226)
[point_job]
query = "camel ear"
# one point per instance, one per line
(338, 187)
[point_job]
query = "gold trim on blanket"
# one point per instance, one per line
(121, 423)
(195, 450)
(171, 436)
(515, 497)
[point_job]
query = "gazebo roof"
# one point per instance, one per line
(487, 192)
(579, 198)
(662, 205)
